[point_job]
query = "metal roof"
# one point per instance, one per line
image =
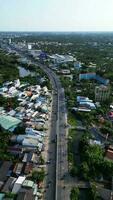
(8, 122)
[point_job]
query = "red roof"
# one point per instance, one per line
(109, 154)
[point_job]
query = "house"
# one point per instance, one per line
(31, 131)
(9, 185)
(110, 114)
(15, 150)
(28, 168)
(18, 184)
(2, 195)
(18, 168)
(9, 123)
(93, 142)
(30, 142)
(28, 184)
(21, 138)
(109, 153)
(4, 169)
(17, 83)
(85, 102)
(105, 194)
(65, 71)
(77, 65)
(88, 104)
(81, 109)
(83, 99)
(12, 113)
(25, 194)
(30, 157)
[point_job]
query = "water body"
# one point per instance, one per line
(25, 72)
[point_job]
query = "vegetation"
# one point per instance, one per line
(4, 143)
(8, 103)
(38, 175)
(74, 194)
(8, 67)
(71, 119)
(93, 163)
(73, 167)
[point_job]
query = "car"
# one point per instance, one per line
(53, 140)
(48, 162)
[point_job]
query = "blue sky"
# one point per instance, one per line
(56, 15)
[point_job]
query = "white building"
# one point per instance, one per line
(29, 46)
(18, 184)
(61, 58)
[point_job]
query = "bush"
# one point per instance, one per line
(74, 194)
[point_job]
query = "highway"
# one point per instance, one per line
(59, 126)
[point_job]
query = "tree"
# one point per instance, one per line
(93, 194)
(73, 171)
(85, 170)
(74, 194)
(38, 175)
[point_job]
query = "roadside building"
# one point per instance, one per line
(93, 76)
(2, 195)
(109, 153)
(28, 168)
(18, 168)
(102, 93)
(28, 184)
(8, 122)
(9, 185)
(18, 184)
(4, 170)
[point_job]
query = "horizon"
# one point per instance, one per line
(56, 16)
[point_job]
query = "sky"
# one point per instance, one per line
(56, 15)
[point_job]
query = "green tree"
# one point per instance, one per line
(38, 175)
(75, 194)
(84, 168)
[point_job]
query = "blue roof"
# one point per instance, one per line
(2, 195)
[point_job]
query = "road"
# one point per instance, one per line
(59, 126)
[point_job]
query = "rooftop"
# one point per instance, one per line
(8, 122)
(28, 183)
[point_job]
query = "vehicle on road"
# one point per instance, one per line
(48, 162)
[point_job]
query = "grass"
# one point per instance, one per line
(71, 139)
(71, 119)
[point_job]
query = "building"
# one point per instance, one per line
(65, 71)
(18, 168)
(77, 65)
(2, 195)
(8, 122)
(4, 170)
(61, 58)
(18, 184)
(109, 153)
(102, 93)
(10, 41)
(9, 185)
(83, 99)
(28, 184)
(94, 76)
(29, 46)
